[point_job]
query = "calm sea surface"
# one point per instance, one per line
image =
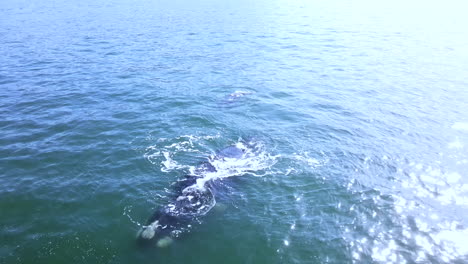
(360, 109)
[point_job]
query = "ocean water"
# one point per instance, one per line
(359, 110)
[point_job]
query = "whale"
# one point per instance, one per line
(233, 99)
(193, 197)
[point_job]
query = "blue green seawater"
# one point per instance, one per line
(360, 107)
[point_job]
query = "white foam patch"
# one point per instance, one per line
(310, 161)
(251, 161)
(233, 96)
(169, 163)
(289, 170)
(462, 126)
(453, 177)
(240, 93)
(166, 149)
(197, 200)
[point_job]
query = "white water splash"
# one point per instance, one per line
(239, 94)
(165, 150)
(169, 164)
(312, 162)
(252, 160)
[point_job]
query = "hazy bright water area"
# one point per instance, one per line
(359, 110)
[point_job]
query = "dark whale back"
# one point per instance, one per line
(189, 201)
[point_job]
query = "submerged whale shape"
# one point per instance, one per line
(194, 197)
(232, 99)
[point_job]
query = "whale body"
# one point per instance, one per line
(194, 197)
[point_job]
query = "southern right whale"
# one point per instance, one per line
(231, 99)
(193, 197)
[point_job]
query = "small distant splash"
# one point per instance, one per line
(233, 96)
